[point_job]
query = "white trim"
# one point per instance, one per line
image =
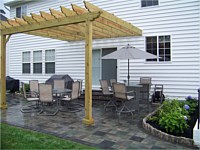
(101, 51)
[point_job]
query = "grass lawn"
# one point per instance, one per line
(19, 138)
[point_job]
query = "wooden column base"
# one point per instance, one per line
(88, 121)
(3, 106)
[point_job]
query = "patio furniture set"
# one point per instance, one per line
(45, 95)
(122, 95)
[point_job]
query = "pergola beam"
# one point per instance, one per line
(102, 23)
(52, 23)
(111, 18)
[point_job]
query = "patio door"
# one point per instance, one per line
(109, 66)
(101, 68)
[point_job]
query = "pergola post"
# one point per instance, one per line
(3, 104)
(88, 74)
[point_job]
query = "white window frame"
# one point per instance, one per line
(22, 12)
(50, 61)
(26, 62)
(37, 61)
(158, 61)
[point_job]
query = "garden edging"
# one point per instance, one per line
(163, 135)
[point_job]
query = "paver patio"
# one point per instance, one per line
(106, 133)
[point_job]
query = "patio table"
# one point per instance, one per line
(59, 93)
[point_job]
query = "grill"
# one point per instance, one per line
(67, 78)
(12, 84)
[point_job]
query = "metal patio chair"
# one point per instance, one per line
(111, 83)
(120, 93)
(34, 90)
(107, 92)
(28, 96)
(72, 106)
(58, 84)
(80, 86)
(46, 96)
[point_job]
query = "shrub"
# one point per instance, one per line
(172, 117)
(192, 103)
(27, 88)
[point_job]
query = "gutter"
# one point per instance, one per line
(17, 2)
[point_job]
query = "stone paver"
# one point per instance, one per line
(106, 133)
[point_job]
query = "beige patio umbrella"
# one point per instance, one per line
(129, 52)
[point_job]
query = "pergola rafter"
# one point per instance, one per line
(77, 24)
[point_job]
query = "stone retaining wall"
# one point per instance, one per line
(163, 135)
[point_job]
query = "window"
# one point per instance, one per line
(50, 61)
(20, 11)
(26, 65)
(160, 46)
(146, 3)
(37, 62)
(96, 66)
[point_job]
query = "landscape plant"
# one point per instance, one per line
(174, 115)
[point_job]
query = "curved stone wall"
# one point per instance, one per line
(163, 135)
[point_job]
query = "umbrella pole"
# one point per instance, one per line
(128, 72)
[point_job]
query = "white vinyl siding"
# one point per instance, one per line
(179, 19)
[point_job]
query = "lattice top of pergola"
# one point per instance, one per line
(69, 25)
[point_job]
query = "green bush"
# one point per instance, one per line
(192, 102)
(27, 88)
(172, 116)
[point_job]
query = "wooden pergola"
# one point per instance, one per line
(78, 24)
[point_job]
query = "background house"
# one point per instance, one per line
(171, 29)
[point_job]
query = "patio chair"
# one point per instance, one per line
(72, 106)
(28, 96)
(111, 83)
(106, 92)
(145, 89)
(58, 84)
(46, 96)
(80, 88)
(121, 94)
(34, 88)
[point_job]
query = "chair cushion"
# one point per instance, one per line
(32, 99)
(108, 93)
(66, 98)
(130, 97)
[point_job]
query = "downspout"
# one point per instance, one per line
(199, 43)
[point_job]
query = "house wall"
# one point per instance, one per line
(180, 19)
